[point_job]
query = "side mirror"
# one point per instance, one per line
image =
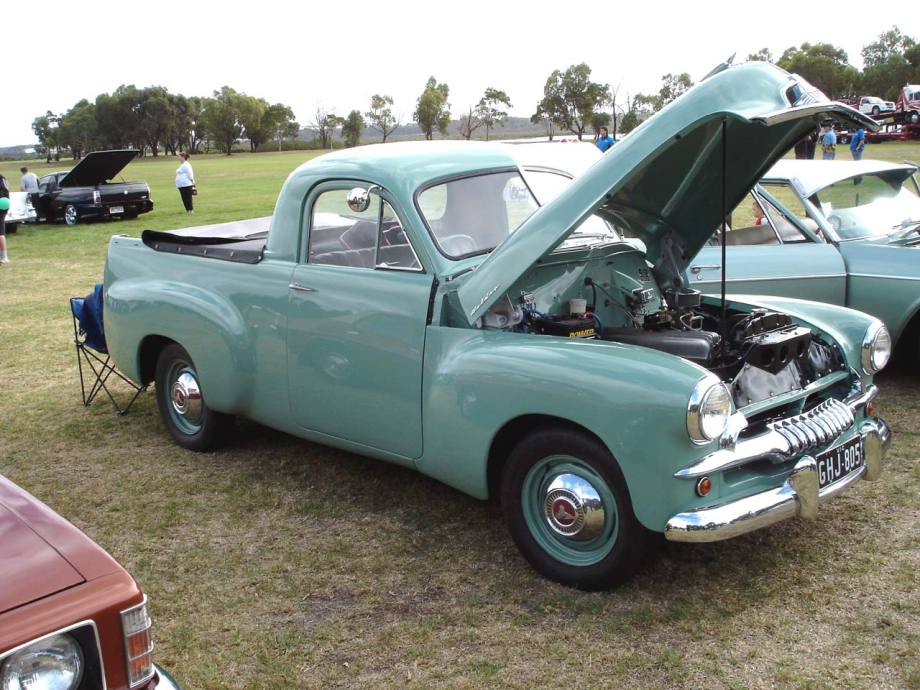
(359, 199)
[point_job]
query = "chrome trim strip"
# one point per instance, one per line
(778, 441)
(82, 624)
(771, 278)
(889, 277)
(799, 496)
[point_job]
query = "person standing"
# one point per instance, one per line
(857, 144)
(828, 142)
(604, 142)
(805, 149)
(185, 182)
(29, 182)
(4, 194)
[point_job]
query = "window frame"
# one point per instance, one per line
(382, 196)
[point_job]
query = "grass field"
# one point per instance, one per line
(278, 563)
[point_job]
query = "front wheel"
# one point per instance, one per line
(914, 118)
(875, 110)
(188, 419)
(71, 216)
(567, 507)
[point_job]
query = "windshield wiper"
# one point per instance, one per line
(905, 229)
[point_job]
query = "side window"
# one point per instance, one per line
(749, 224)
(371, 239)
(788, 232)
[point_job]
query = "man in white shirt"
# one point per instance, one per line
(29, 182)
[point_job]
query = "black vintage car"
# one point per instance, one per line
(86, 192)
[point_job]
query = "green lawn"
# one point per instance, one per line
(278, 563)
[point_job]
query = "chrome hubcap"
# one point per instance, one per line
(573, 508)
(186, 397)
(71, 214)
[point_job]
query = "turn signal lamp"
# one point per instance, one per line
(703, 486)
(136, 624)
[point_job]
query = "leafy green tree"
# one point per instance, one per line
(489, 109)
(279, 123)
(222, 115)
(599, 120)
(889, 63)
(157, 111)
(77, 129)
(43, 126)
(351, 130)
(629, 122)
(762, 55)
(468, 123)
(432, 109)
(252, 110)
(672, 87)
(824, 65)
(570, 98)
(380, 116)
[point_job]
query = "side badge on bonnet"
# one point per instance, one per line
(644, 276)
(483, 300)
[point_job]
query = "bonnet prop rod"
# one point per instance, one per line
(723, 326)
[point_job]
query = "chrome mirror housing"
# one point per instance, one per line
(359, 199)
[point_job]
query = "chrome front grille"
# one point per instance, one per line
(816, 427)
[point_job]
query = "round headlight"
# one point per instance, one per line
(709, 410)
(55, 663)
(876, 348)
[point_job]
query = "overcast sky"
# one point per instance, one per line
(341, 55)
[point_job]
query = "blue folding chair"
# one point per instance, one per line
(89, 339)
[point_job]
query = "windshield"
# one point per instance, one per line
(868, 205)
(473, 215)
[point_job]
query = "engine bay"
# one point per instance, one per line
(615, 299)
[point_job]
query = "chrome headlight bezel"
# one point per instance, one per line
(48, 648)
(708, 395)
(876, 348)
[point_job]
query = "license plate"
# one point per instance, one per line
(838, 462)
(116, 209)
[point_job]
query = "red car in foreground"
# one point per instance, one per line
(71, 618)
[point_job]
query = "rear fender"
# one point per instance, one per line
(208, 326)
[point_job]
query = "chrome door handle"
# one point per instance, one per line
(698, 268)
(302, 288)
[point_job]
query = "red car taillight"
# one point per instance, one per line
(135, 623)
(97, 197)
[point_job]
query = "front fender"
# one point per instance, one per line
(634, 399)
(208, 326)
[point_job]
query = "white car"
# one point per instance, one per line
(21, 211)
(872, 105)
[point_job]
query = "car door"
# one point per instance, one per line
(771, 250)
(358, 307)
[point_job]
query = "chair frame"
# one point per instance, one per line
(102, 369)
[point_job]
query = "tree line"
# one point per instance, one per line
(154, 119)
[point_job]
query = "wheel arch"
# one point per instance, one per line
(512, 433)
(148, 353)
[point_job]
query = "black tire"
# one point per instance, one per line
(914, 118)
(619, 552)
(843, 139)
(71, 215)
(188, 419)
(875, 110)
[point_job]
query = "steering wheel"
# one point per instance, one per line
(834, 222)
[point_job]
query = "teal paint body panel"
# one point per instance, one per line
(396, 364)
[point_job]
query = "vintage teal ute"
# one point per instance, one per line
(416, 303)
(843, 232)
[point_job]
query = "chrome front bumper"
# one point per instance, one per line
(799, 496)
(163, 680)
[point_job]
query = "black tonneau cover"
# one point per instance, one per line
(241, 241)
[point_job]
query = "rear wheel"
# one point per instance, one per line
(71, 216)
(567, 507)
(189, 420)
